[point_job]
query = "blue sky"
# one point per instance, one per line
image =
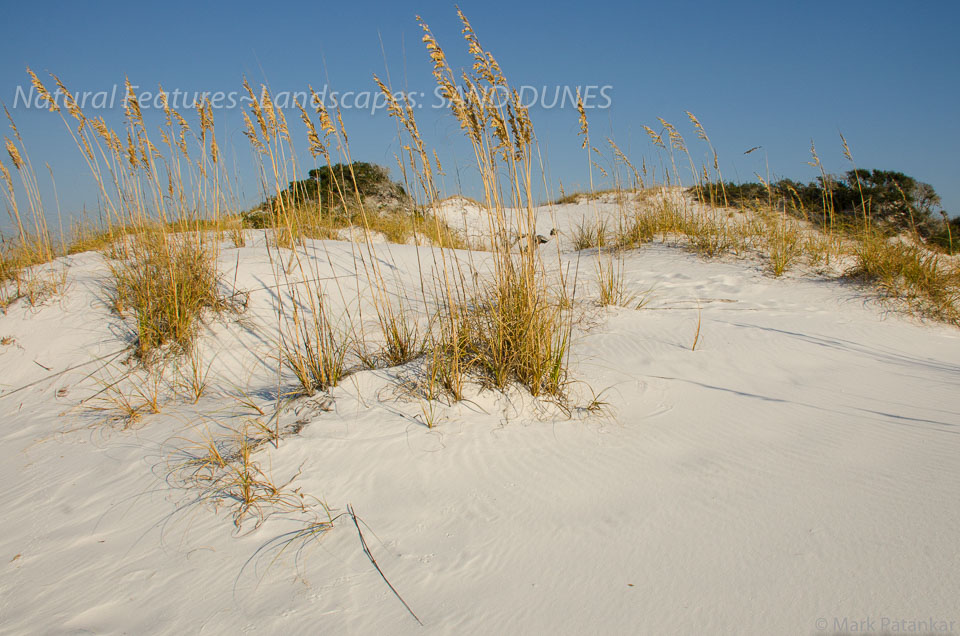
(776, 75)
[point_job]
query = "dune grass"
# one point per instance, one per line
(25, 269)
(167, 206)
(163, 265)
(399, 225)
(166, 281)
(491, 318)
(223, 471)
(507, 327)
(927, 281)
(777, 229)
(310, 346)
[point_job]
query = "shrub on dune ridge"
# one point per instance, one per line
(891, 200)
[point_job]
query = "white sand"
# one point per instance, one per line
(801, 464)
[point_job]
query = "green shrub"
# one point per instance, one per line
(339, 183)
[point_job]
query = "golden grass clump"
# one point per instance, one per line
(508, 334)
(310, 346)
(927, 281)
(156, 207)
(784, 245)
(167, 282)
(509, 326)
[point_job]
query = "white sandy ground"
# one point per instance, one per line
(795, 474)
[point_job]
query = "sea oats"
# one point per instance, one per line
(131, 152)
(257, 112)
(69, 101)
(343, 130)
(100, 127)
(433, 50)
(144, 156)
(181, 121)
(42, 91)
(282, 125)
(676, 139)
(269, 112)
(251, 133)
(205, 116)
(182, 144)
(655, 137)
(13, 126)
(584, 128)
(5, 173)
(484, 64)
(154, 151)
(84, 144)
(701, 133)
(638, 180)
(316, 147)
(326, 124)
(165, 105)
(201, 113)
(393, 107)
(117, 143)
(813, 153)
(14, 154)
(132, 105)
(846, 149)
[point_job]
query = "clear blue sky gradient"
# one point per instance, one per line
(769, 74)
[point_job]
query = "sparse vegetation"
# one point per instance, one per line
(382, 336)
(224, 471)
(610, 283)
(494, 318)
(589, 234)
(509, 327)
(785, 246)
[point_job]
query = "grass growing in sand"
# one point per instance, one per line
(785, 227)
(494, 317)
